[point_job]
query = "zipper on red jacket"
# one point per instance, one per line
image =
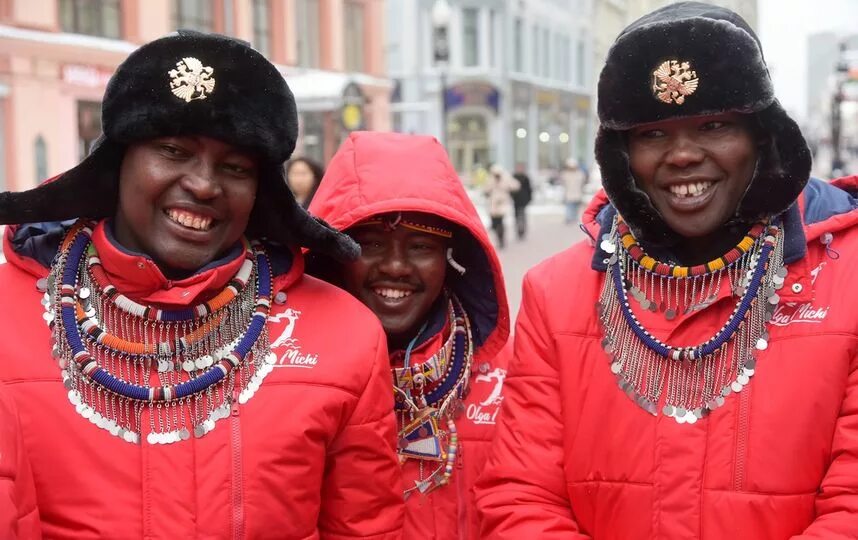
(237, 486)
(742, 439)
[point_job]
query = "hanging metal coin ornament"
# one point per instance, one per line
(688, 381)
(103, 339)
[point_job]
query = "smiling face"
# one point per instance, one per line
(695, 170)
(399, 275)
(184, 201)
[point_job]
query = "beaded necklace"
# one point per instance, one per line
(425, 404)
(111, 349)
(687, 382)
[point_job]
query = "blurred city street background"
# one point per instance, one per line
(498, 82)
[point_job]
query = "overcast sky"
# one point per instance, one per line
(784, 26)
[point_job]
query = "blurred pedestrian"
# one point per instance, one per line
(182, 377)
(498, 189)
(520, 199)
(573, 178)
(430, 274)
(690, 370)
(303, 176)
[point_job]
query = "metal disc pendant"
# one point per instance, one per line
(188, 365)
(670, 314)
(762, 344)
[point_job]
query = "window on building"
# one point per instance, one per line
(91, 17)
(546, 53)
(193, 15)
(493, 49)
(2, 142)
(353, 36)
(518, 45)
(40, 153)
(261, 26)
(307, 32)
(471, 37)
(88, 126)
(580, 63)
(534, 47)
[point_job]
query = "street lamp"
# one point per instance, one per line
(842, 68)
(441, 49)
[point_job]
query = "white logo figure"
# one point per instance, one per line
(495, 397)
(815, 273)
(286, 335)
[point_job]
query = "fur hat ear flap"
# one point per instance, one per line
(783, 166)
(630, 201)
(89, 190)
(277, 216)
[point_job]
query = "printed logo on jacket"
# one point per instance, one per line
(487, 392)
(287, 348)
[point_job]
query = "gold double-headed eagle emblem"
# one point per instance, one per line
(191, 80)
(673, 81)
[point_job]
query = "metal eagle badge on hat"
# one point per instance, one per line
(191, 79)
(673, 80)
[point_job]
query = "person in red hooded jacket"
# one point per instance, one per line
(179, 378)
(428, 271)
(19, 516)
(692, 371)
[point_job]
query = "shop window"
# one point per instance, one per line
(91, 17)
(471, 37)
(193, 15)
(354, 16)
(261, 26)
(313, 136)
(88, 126)
(40, 153)
(307, 32)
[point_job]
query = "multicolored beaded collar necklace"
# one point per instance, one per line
(185, 367)
(687, 382)
(428, 396)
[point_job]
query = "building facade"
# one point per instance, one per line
(56, 57)
(515, 88)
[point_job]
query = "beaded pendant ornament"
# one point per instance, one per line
(688, 381)
(185, 367)
(428, 396)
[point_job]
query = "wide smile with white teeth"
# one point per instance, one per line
(190, 220)
(691, 189)
(392, 294)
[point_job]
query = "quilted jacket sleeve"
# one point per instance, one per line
(19, 516)
(837, 499)
(522, 493)
(362, 493)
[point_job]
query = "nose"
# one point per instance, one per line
(201, 180)
(684, 151)
(395, 262)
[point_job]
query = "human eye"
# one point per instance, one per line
(172, 150)
(713, 125)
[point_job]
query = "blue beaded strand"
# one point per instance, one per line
(726, 333)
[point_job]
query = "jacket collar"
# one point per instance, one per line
(138, 277)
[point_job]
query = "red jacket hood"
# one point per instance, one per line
(375, 173)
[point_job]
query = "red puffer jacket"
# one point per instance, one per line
(576, 458)
(19, 517)
(310, 455)
(379, 173)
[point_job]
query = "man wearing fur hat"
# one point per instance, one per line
(178, 379)
(692, 371)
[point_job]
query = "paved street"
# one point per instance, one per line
(548, 235)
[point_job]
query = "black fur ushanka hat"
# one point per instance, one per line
(190, 83)
(692, 59)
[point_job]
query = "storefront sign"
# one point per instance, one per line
(472, 95)
(351, 113)
(82, 75)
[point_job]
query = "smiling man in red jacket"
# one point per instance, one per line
(428, 271)
(180, 376)
(692, 371)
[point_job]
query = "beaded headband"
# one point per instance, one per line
(390, 222)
